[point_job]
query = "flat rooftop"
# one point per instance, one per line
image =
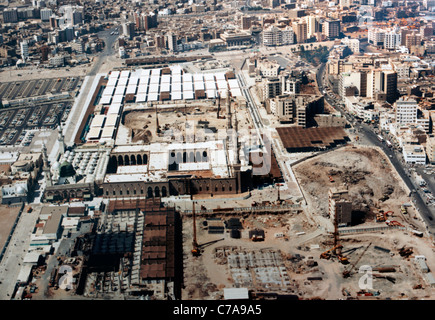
(297, 138)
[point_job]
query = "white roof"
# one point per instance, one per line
(233, 83)
(210, 85)
(194, 166)
(98, 120)
(166, 78)
(132, 169)
(153, 96)
(211, 94)
(153, 88)
(187, 86)
(145, 72)
(188, 95)
(187, 77)
(118, 98)
(222, 84)
(156, 72)
(176, 78)
(236, 92)
(114, 74)
(236, 293)
(112, 82)
(131, 89)
(120, 90)
(176, 69)
(122, 81)
(106, 99)
(143, 88)
(108, 132)
(125, 74)
(133, 80)
(209, 77)
(155, 80)
(94, 133)
(176, 95)
(111, 120)
(109, 90)
(176, 87)
(198, 77)
(114, 108)
(165, 87)
(141, 97)
(144, 80)
(199, 85)
(220, 76)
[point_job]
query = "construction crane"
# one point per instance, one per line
(195, 247)
(347, 273)
(336, 249)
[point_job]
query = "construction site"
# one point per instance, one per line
(379, 250)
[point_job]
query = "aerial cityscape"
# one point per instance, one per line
(246, 150)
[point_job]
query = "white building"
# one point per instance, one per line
(392, 40)
(376, 36)
(24, 46)
(406, 111)
(272, 36)
(288, 36)
(414, 154)
(353, 44)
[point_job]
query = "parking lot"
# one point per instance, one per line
(32, 88)
(16, 124)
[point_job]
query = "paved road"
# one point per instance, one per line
(367, 132)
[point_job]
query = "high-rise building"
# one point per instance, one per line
(171, 40)
(10, 15)
(406, 111)
(46, 14)
(128, 29)
(392, 39)
(288, 35)
(272, 36)
(24, 46)
(413, 39)
(312, 26)
(300, 29)
(246, 22)
(331, 29)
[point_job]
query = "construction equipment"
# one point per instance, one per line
(405, 252)
(336, 249)
(382, 216)
(393, 223)
(195, 247)
(347, 273)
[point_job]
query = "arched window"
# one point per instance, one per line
(133, 159)
(120, 161)
(150, 192)
(139, 159)
(157, 192)
(164, 192)
(126, 160)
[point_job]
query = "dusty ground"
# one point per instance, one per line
(7, 218)
(142, 124)
(366, 173)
